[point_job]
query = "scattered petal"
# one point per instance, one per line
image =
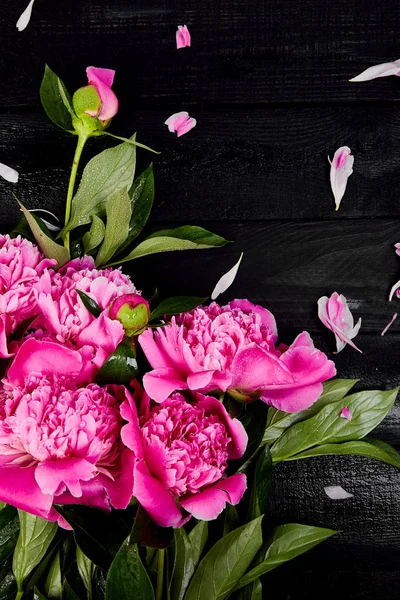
(335, 492)
(382, 70)
(8, 173)
(183, 38)
(397, 246)
(50, 226)
(341, 169)
(226, 280)
(335, 314)
(392, 320)
(346, 414)
(180, 122)
(46, 211)
(24, 19)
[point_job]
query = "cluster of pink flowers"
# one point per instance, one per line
(65, 439)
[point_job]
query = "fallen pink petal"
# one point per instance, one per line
(180, 123)
(341, 169)
(392, 320)
(8, 173)
(24, 19)
(336, 492)
(346, 414)
(381, 70)
(183, 39)
(335, 314)
(226, 280)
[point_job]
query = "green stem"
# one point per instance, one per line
(160, 574)
(82, 139)
(19, 595)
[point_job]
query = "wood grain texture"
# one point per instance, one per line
(243, 52)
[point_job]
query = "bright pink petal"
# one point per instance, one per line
(207, 505)
(346, 414)
(51, 476)
(19, 488)
(267, 318)
(160, 383)
(103, 80)
(253, 368)
(382, 70)
(93, 494)
(97, 74)
(186, 127)
(200, 380)
(120, 488)
(4, 351)
(44, 357)
(341, 169)
(335, 314)
(182, 37)
(154, 498)
(292, 400)
(130, 433)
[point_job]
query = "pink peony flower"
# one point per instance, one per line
(232, 348)
(181, 450)
(102, 80)
(60, 443)
(183, 38)
(335, 314)
(65, 319)
(21, 268)
(180, 123)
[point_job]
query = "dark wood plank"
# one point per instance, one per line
(252, 52)
(235, 165)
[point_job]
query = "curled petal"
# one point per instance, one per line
(8, 173)
(392, 320)
(336, 316)
(341, 169)
(382, 70)
(180, 123)
(24, 19)
(103, 79)
(183, 38)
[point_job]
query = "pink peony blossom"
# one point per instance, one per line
(60, 443)
(102, 80)
(183, 38)
(232, 348)
(181, 450)
(335, 314)
(21, 269)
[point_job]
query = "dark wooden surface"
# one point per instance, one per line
(268, 84)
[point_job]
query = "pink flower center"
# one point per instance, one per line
(185, 447)
(48, 421)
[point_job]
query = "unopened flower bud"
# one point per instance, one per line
(95, 104)
(132, 311)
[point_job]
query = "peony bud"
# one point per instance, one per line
(132, 311)
(95, 104)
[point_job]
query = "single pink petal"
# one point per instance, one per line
(97, 74)
(208, 504)
(253, 367)
(392, 320)
(200, 380)
(183, 38)
(335, 314)
(160, 383)
(397, 246)
(130, 433)
(19, 488)
(186, 127)
(120, 488)
(154, 498)
(44, 357)
(103, 79)
(381, 70)
(341, 169)
(180, 123)
(346, 414)
(393, 290)
(293, 400)
(51, 475)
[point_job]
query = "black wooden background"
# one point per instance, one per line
(268, 84)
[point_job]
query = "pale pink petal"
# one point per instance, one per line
(103, 80)
(392, 320)
(180, 123)
(335, 314)
(183, 38)
(335, 492)
(397, 246)
(8, 173)
(24, 19)
(160, 383)
(381, 70)
(346, 414)
(341, 169)
(393, 290)
(226, 280)
(4, 330)
(208, 504)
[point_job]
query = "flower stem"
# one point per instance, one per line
(160, 574)
(19, 595)
(82, 139)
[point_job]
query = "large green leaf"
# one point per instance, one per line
(104, 175)
(9, 530)
(121, 366)
(184, 564)
(199, 536)
(176, 305)
(192, 233)
(95, 235)
(56, 100)
(368, 447)
(278, 421)
(86, 570)
(327, 426)
(226, 563)
(118, 210)
(35, 537)
(49, 247)
(127, 577)
(288, 541)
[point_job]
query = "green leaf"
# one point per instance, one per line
(253, 591)
(9, 530)
(37, 595)
(104, 175)
(288, 541)
(327, 426)
(261, 488)
(133, 142)
(184, 564)
(253, 418)
(34, 539)
(121, 366)
(198, 537)
(8, 586)
(95, 235)
(53, 585)
(119, 212)
(48, 246)
(86, 569)
(226, 563)
(90, 304)
(69, 593)
(369, 447)
(22, 228)
(56, 100)
(176, 305)
(192, 233)
(142, 197)
(127, 577)
(278, 421)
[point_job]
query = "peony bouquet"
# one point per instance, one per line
(138, 436)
